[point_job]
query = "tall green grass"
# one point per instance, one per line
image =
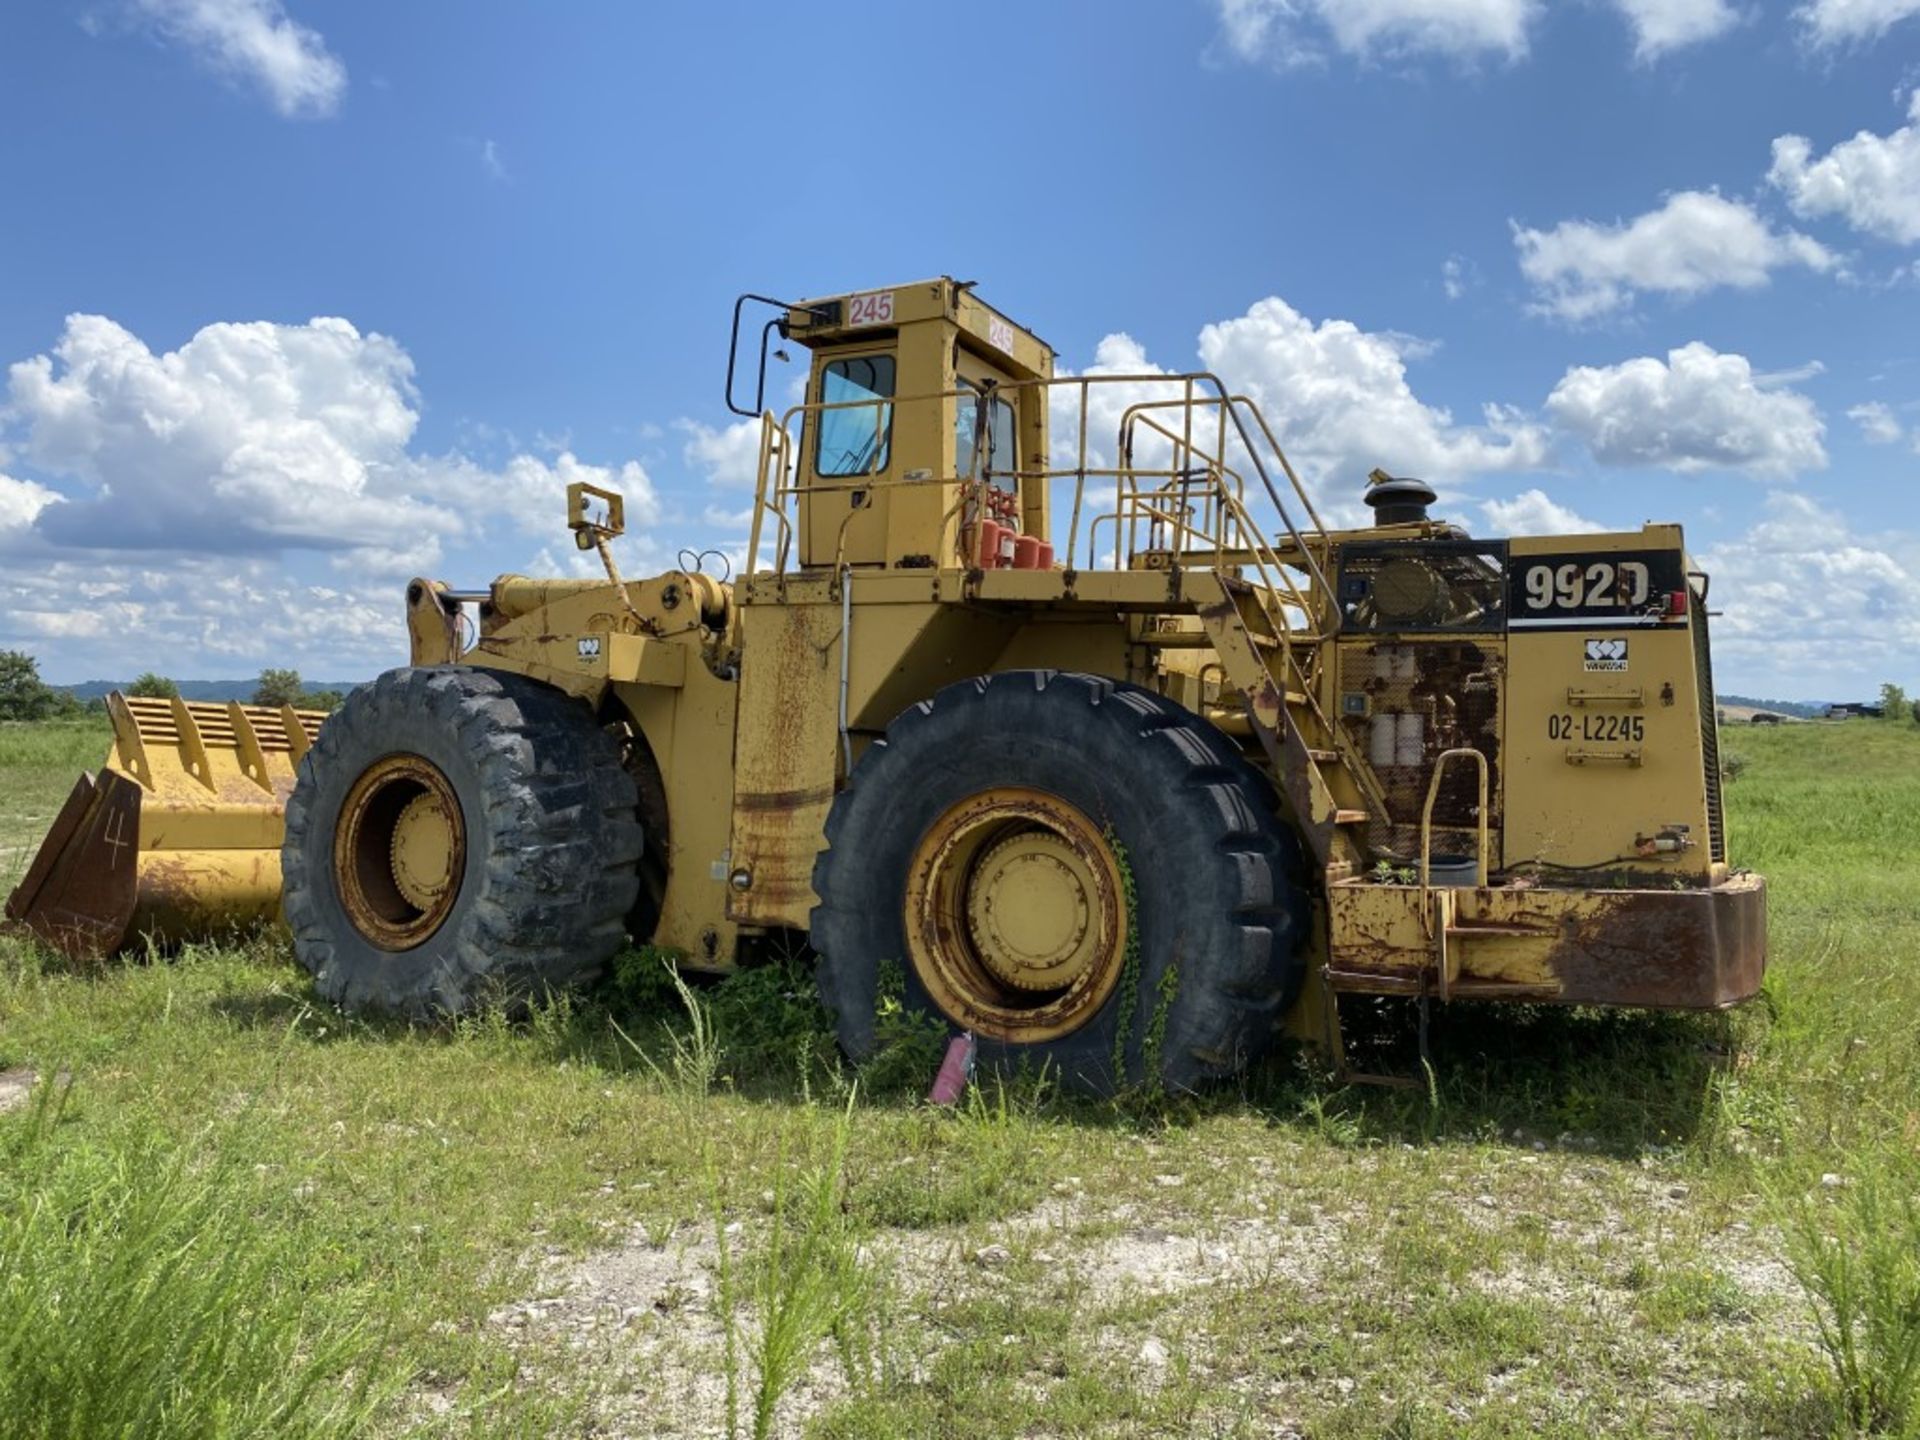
(446, 1163)
(806, 1282)
(143, 1296)
(1857, 1256)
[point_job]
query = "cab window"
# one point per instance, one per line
(855, 440)
(1001, 463)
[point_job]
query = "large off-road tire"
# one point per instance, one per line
(458, 836)
(977, 848)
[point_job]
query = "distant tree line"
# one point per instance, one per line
(25, 696)
(284, 687)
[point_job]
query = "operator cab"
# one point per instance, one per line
(924, 410)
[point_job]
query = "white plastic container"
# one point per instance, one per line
(1383, 739)
(1410, 738)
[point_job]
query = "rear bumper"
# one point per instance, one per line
(1652, 949)
(1668, 949)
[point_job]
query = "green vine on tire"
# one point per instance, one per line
(1169, 991)
(1130, 964)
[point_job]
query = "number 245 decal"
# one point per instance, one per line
(874, 309)
(1602, 585)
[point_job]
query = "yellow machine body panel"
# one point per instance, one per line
(1604, 719)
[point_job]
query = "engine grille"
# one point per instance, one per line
(1709, 726)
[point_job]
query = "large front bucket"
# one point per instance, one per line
(179, 834)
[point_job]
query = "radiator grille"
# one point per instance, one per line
(1709, 726)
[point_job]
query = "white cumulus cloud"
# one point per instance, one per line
(196, 617)
(1341, 402)
(257, 42)
(1808, 601)
(1696, 410)
(1877, 422)
(257, 437)
(1842, 22)
(729, 457)
(1663, 25)
(195, 480)
(1871, 181)
(248, 437)
(1338, 398)
(1291, 32)
(1696, 241)
(1534, 512)
(21, 501)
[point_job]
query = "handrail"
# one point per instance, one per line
(779, 472)
(1197, 501)
(1426, 817)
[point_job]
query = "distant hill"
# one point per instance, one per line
(201, 689)
(1805, 709)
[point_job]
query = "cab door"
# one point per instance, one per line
(986, 441)
(847, 448)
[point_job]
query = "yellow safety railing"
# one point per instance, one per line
(1426, 817)
(1196, 503)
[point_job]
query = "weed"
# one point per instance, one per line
(1858, 1260)
(1167, 991)
(694, 1062)
(771, 1021)
(811, 1285)
(908, 1045)
(640, 982)
(806, 1286)
(144, 1295)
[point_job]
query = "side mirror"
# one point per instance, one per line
(594, 514)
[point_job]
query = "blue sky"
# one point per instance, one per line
(298, 299)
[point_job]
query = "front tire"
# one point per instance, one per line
(1078, 871)
(458, 835)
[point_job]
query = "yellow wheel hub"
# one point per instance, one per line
(423, 846)
(1030, 911)
(1015, 915)
(398, 851)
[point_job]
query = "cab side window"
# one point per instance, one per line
(855, 440)
(1002, 460)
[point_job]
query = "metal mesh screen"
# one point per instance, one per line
(1429, 697)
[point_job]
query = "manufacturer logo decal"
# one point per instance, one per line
(590, 648)
(1607, 654)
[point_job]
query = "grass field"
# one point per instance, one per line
(632, 1216)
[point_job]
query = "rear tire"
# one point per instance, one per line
(539, 818)
(1217, 910)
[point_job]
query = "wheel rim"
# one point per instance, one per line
(1016, 915)
(399, 851)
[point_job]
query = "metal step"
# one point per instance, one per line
(1371, 982)
(1197, 640)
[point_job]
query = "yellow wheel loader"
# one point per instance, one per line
(1050, 705)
